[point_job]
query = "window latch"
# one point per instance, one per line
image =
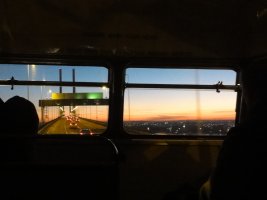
(218, 86)
(12, 82)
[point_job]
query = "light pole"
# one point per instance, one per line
(104, 88)
(29, 67)
(42, 88)
(28, 89)
(49, 93)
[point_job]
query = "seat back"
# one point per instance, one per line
(58, 167)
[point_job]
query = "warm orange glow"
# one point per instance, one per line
(170, 105)
(171, 117)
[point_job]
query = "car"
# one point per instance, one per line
(73, 125)
(86, 131)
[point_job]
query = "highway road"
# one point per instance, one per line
(62, 126)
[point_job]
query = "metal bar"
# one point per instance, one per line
(53, 83)
(73, 80)
(183, 86)
(73, 102)
(60, 80)
(128, 85)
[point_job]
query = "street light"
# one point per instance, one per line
(29, 67)
(104, 88)
(42, 89)
(74, 108)
(49, 93)
(33, 71)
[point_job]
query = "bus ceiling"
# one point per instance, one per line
(138, 29)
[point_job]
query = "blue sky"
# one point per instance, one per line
(180, 76)
(47, 73)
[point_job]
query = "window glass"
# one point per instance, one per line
(65, 110)
(156, 111)
(51, 73)
(180, 76)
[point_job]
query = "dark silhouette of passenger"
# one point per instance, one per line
(19, 122)
(1, 110)
(19, 117)
(1, 105)
(241, 168)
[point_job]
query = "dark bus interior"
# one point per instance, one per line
(136, 46)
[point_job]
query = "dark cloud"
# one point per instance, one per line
(167, 117)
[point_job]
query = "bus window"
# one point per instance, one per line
(179, 102)
(68, 99)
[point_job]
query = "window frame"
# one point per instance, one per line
(216, 87)
(12, 82)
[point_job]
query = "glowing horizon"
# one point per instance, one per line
(171, 117)
(152, 104)
(231, 116)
